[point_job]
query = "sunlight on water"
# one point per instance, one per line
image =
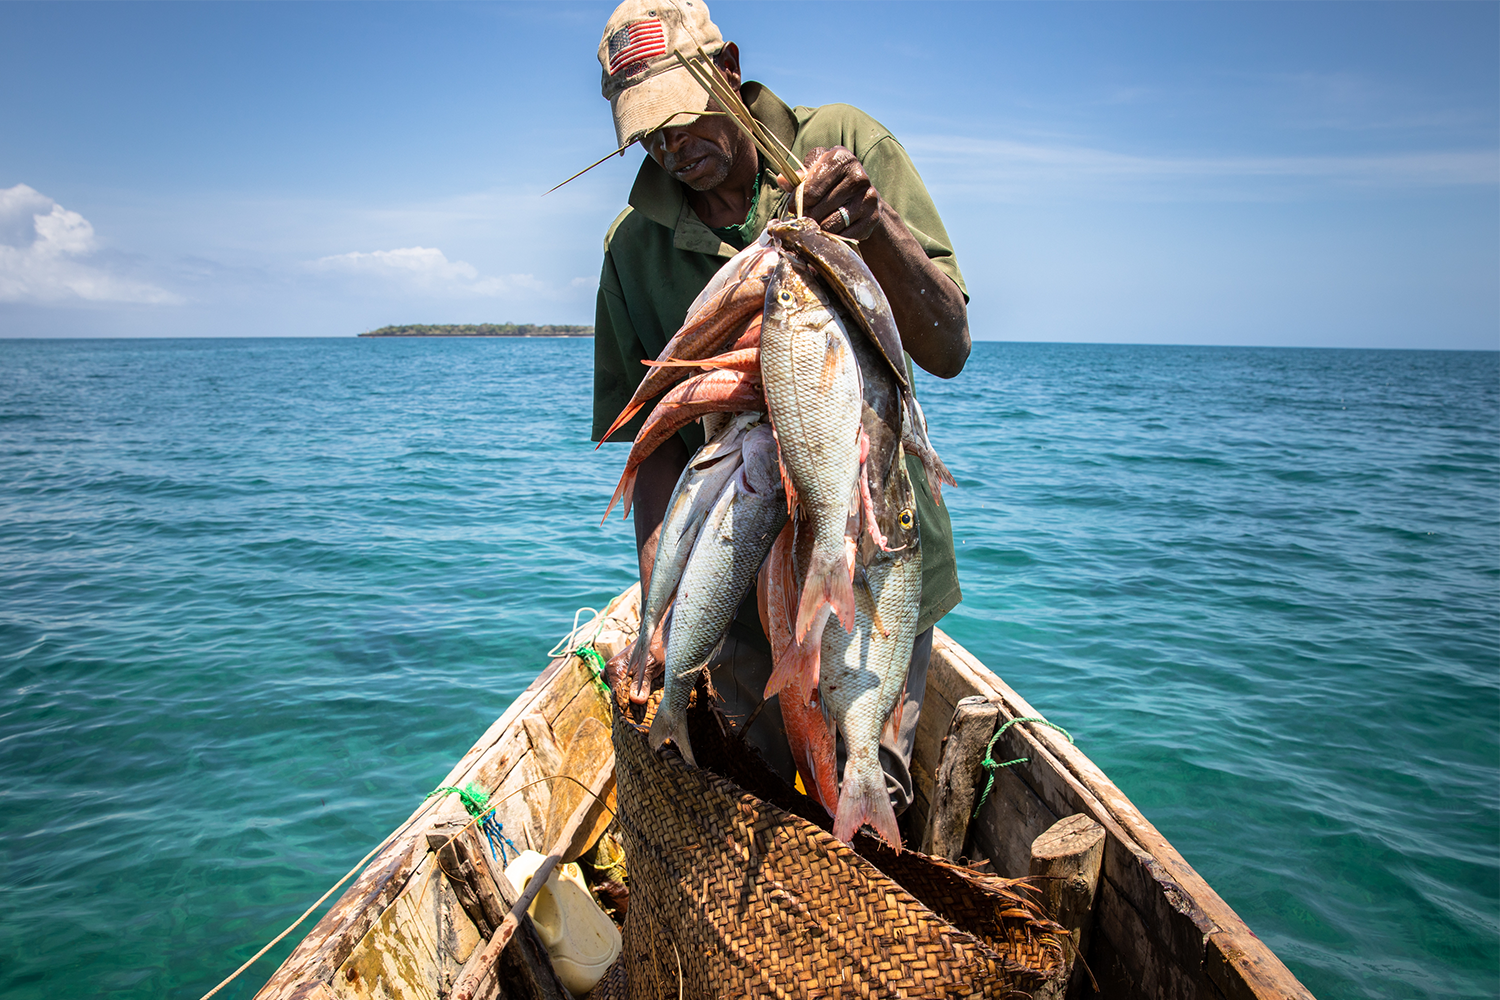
(259, 596)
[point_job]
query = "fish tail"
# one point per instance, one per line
(828, 582)
(669, 725)
(813, 748)
(626, 489)
(864, 801)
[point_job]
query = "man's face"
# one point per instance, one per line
(699, 154)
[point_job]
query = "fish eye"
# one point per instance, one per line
(783, 296)
(905, 518)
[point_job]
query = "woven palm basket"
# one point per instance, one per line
(734, 896)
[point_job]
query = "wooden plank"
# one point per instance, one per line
(543, 741)
(932, 726)
(958, 770)
(416, 947)
(320, 954)
(1145, 958)
(524, 811)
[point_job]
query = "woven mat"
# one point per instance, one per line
(734, 896)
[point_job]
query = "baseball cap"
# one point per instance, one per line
(642, 78)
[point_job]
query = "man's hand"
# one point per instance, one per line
(929, 308)
(833, 179)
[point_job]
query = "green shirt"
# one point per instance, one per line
(658, 255)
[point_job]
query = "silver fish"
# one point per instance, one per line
(720, 570)
(698, 488)
(846, 273)
(863, 673)
(812, 388)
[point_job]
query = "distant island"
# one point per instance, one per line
(481, 330)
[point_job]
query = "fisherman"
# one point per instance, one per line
(703, 194)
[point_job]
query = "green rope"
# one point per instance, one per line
(595, 660)
(473, 797)
(991, 765)
(476, 804)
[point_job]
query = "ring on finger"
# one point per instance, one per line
(844, 218)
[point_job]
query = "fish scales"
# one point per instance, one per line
(697, 489)
(812, 389)
(720, 570)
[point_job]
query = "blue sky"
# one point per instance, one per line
(1320, 174)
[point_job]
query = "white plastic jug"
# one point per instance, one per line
(580, 938)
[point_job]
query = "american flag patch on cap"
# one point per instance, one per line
(635, 43)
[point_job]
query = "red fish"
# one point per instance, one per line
(708, 329)
(807, 732)
(711, 392)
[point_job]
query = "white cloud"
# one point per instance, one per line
(40, 243)
(426, 269)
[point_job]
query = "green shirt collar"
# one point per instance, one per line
(662, 200)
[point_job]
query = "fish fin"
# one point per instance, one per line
(872, 527)
(620, 421)
(626, 489)
(863, 582)
(786, 481)
(832, 360)
(705, 364)
(668, 726)
(866, 802)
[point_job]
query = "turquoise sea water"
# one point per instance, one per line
(258, 595)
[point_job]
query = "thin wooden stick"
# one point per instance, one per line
(621, 150)
(712, 80)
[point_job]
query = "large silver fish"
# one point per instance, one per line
(812, 388)
(856, 288)
(720, 570)
(697, 489)
(863, 672)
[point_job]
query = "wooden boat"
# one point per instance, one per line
(411, 926)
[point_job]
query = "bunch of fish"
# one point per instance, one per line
(791, 357)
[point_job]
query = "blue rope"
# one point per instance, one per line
(475, 802)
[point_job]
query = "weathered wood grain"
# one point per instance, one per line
(1067, 858)
(958, 771)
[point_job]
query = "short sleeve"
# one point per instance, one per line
(895, 177)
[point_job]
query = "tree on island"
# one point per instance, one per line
(481, 330)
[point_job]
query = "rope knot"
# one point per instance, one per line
(992, 765)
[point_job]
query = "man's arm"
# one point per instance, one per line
(928, 305)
